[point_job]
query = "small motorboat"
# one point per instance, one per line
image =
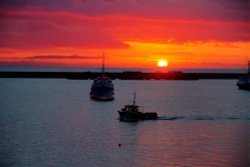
(244, 81)
(132, 113)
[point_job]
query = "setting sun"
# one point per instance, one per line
(162, 63)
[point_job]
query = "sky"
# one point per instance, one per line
(189, 34)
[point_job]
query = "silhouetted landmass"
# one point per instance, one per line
(123, 75)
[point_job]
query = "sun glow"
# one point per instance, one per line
(162, 63)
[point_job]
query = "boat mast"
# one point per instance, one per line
(103, 62)
(249, 67)
(134, 98)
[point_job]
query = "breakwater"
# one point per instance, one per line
(123, 75)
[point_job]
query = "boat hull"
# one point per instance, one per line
(136, 116)
(102, 90)
(244, 83)
(244, 86)
(102, 94)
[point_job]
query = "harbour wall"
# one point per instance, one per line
(123, 75)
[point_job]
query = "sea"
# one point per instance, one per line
(54, 123)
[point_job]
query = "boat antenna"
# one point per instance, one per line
(103, 62)
(134, 98)
(249, 67)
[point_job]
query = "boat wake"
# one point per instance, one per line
(172, 118)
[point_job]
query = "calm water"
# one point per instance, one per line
(53, 123)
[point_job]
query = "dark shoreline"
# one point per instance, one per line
(123, 75)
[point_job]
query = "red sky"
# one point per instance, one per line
(132, 33)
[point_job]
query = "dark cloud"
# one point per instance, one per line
(238, 5)
(27, 64)
(30, 63)
(172, 9)
(44, 4)
(46, 61)
(81, 1)
(236, 10)
(62, 57)
(109, 1)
